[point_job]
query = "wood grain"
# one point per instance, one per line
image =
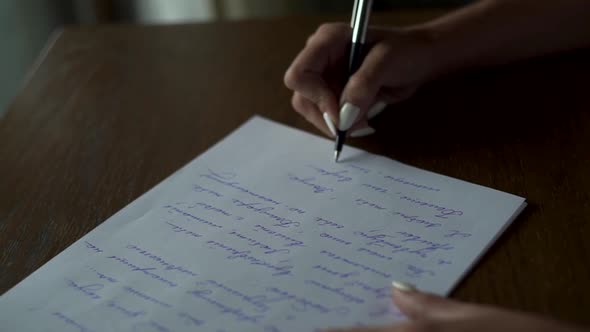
(113, 110)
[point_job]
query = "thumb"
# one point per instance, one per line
(360, 92)
(417, 305)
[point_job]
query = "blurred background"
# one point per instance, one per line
(25, 25)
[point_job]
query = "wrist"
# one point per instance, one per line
(437, 58)
(461, 39)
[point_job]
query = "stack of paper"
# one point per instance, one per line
(264, 232)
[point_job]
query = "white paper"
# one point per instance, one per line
(264, 232)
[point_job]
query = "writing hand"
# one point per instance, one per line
(397, 62)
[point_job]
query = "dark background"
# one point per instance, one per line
(25, 25)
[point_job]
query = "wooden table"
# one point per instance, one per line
(112, 110)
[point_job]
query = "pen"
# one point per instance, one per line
(359, 23)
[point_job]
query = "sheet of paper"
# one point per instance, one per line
(264, 232)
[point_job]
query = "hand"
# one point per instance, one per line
(397, 63)
(430, 313)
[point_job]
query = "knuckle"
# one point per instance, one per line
(358, 86)
(332, 28)
(382, 49)
(292, 78)
(295, 103)
(316, 39)
(324, 28)
(358, 82)
(328, 31)
(299, 105)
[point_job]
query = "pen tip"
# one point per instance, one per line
(336, 155)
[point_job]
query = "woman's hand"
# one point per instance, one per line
(487, 32)
(398, 61)
(430, 313)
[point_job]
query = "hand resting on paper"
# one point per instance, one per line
(431, 313)
(400, 60)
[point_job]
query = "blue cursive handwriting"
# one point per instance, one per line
(334, 273)
(303, 304)
(93, 247)
(209, 207)
(88, 290)
(201, 189)
(146, 297)
(246, 256)
(410, 183)
(172, 209)
(336, 290)
(266, 211)
(326, 222)
(226, 179)
(165, 264)
(362, 201)
(71, 322)
(443, 212)
(317, 188)
(292, 242)
(339, 175)
(355, 264)
(146, 270)
(256, 243)
(335, 239)
(416, 220)
(182, 230)
(237, 313)
(102, 275)
(125, 311)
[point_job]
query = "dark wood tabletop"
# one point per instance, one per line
(110, 111)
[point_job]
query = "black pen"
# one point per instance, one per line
(359, 23)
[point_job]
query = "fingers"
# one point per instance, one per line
(376, 109)
(313, 87)
(361, 91)
(307, 75)
(385, 97)
(395, 95)
(322, 121)
(317, 74)
(362, 128)
(310, 112)
(417, 305)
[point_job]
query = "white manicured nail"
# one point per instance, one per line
(348, 115)
(376, 109)
(329, 123)
(403, 286)
(362, 132)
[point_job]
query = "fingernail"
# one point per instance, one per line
(376, 109)
(362, 132)
(329, 123)
(403, 286)
(348, 114)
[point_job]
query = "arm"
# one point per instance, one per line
(492, 32)
(488, 32)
